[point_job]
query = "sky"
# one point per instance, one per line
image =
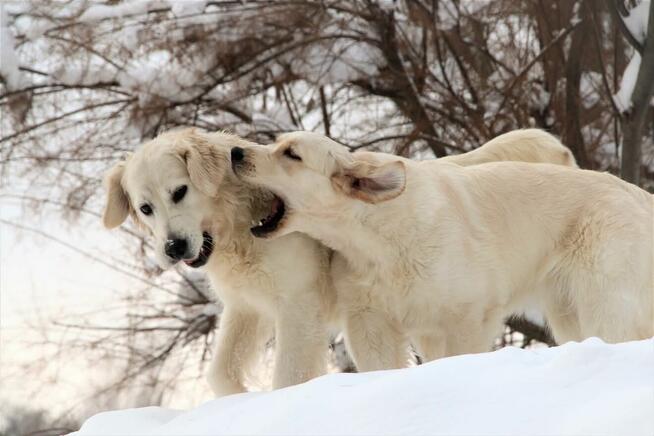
(40, 273)
(41, 280)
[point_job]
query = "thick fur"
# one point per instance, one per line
(527, 145)
(278, 286)
(439, 254)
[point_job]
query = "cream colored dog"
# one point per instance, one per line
(181, 189)
(441, 254)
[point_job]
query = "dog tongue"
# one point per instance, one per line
(191, 261)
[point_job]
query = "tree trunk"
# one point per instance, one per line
(572, 136)
(634, 120)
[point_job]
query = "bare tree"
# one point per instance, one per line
(638, 104)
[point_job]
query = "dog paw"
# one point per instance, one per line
(222, 386)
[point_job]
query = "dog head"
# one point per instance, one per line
(312, 175)
(175, 186)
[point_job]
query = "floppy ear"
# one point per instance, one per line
(371, 182)
(117, 207)
(205, 163)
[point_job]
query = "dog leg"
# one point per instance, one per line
(430, 347)
(475, 338)
(301, 344)
(563, 324)
(235, 343)
(616, 317)
(375, 341)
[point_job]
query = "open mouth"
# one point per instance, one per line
(271, 222)
(205, 252)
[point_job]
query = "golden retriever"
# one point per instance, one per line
(180, 188)
(440, 254)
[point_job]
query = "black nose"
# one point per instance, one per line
(237, 155)
(175, 248)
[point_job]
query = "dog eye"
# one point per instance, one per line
(146, 209)
(179, 194)
(291, 155)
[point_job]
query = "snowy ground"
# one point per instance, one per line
(588, 388)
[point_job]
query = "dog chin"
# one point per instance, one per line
(164, 263)
(204, 253)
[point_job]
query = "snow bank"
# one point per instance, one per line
(588, 388)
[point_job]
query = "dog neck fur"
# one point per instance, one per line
(366, 242)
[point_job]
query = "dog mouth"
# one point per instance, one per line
(272, 221)
(205, 252)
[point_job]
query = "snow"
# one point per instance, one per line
(32, 27)
(588, 388)
(77, 73)
(9, 71)
(99, 12)
(340, 60)
(387, 5)
(637, 20)
(179, 8)
(575, 13)
(187, 7)
(623, 97)
(158, 74)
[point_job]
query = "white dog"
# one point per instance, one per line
(441, 254)
(181, 189)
